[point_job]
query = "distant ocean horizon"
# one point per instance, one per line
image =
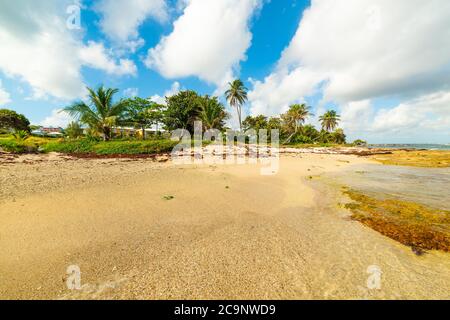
(427, 146)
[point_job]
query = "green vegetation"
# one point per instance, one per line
(409, 223)
(236, 96)
(12, 121)
(294, 133)
(141, 113)
(101, 114)
(87, 146)
(120, 124)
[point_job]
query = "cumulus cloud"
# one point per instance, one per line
(38, 48)
(57, 119)
(95, 55)
(4, 95)
(208, 41)
(355, 51)
(174, 89)
(131, 92)
(121, 19)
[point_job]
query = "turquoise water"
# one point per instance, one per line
(429, 186)
(412, 146)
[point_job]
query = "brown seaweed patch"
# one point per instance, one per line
(417, 158)
(412, 224)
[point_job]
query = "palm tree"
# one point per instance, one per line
(212, 113)
(295, 117)
(101, 114)
(330, 120)
(236, 97)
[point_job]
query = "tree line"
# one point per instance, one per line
(101, 114)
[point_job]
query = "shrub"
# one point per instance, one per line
(17, 146)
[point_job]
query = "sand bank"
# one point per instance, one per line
(139, 229)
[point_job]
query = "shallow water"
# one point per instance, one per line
(423, 185)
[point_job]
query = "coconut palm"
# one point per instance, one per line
(212, 113)
(101, 114)
(295, 117)
(330, 120)
(236, 96)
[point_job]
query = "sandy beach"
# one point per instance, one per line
(140, 229)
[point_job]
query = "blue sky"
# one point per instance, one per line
(360, 57)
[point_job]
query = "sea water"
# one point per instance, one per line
(429, 186)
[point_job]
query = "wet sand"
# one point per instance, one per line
(227, 233)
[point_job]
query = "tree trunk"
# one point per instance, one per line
(106, 133)
(143, 133)
(238, 108)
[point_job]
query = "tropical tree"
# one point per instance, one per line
(74, 130)
(101, 114)
(236, 96)
(182, 110)
(256, 123)
(338, 136)
(274, 124)
(21, 135)
(212, 113)
(141, 113)
(11, 120)
(294, 118)
(330, 120)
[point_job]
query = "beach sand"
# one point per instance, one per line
(139, 229)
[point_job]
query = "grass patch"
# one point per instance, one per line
(426, 159)
(409, 223)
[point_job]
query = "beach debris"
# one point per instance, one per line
(418, 251)
(168, 198)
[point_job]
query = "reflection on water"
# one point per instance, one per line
(427, 186)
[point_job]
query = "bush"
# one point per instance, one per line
(111, 147)
(17, 146)
(359, 143)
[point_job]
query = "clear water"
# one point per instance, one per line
(412, 146)
(423, 185)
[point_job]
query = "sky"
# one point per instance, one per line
(383, 65)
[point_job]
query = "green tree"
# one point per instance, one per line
(236, 96)
(294, 118)
(310, 132)
(11, 120)
(338, 136)
(274, 124)
(101, 114)
(256, 123)
(74, 130)
(212, 113)
(141, 113)
(330, 120)
(182, 110)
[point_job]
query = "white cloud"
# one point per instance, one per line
(356, 116)
(431, 111)
(131, 92)
(4, 95)
(121, 19)
(362, 50)
(208, 41)
(57, 119)
(95, 55)
(38, 48)
(174, 89)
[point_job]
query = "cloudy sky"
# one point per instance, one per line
(383, 64)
